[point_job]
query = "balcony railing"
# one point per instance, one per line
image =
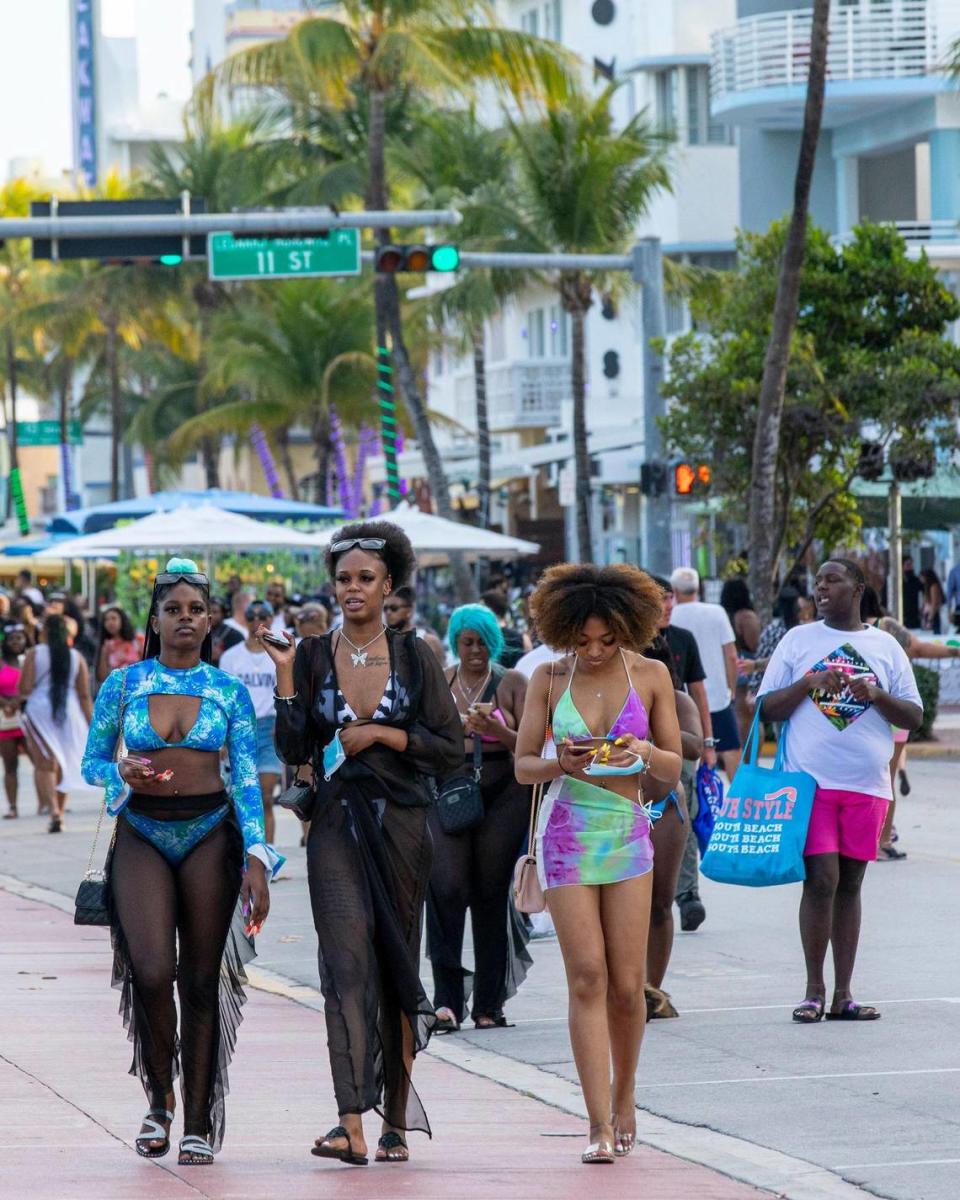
(867, 41)
(520, 395)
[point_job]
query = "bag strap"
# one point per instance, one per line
(751, 747)
(781, 746)
(536, 796)
(477, 758)
(116, 747)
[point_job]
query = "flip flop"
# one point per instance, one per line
(852, 1011)
(809, 1012)
(348, 1156)
(389, 1144)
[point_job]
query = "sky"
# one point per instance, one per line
(35, 115)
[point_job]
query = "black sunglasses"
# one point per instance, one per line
(196, 577)
(362, 543)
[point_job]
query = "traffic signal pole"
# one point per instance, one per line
(647, 271)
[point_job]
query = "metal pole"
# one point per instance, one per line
(305, 221)
(895, 574)
(647, 269)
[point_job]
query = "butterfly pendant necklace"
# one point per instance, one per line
(358, 655)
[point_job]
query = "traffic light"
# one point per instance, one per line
(390, 260)
(653, 478)
(870, 463)
(166, 249)
(691, 478)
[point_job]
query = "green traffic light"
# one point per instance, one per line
(445, 258)
(171, 260)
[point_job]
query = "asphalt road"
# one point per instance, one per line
(877, 1104)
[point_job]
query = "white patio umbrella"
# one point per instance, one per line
(203, 527)
(435, 538)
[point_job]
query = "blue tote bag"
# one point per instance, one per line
(760, 832)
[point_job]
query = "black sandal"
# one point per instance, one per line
(489, 1022)
(195, 1151)
(809, 1012)
(850, 1010)
(348, 1156)
(389, 1143)
(158, 1134)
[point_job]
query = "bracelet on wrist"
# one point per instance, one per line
(285, 699)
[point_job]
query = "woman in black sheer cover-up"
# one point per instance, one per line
(384, 698)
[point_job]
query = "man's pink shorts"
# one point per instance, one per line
(846, 823)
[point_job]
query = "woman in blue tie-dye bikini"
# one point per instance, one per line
(614, 719)
(184, 851)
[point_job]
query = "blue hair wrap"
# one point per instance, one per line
(182, 566)
(478, 619)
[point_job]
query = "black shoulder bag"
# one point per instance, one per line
(459, 799)
(92, 904)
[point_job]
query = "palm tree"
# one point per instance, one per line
(583, 186)
(458, 161)
(221, 164)
(766, 442)
(381, 52)
(282, 357)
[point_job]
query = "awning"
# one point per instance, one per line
(925, 504)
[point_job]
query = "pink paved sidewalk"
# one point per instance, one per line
(69, 1111)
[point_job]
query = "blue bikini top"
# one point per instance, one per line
(152, 678)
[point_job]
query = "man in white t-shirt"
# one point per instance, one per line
(254, 667)
(716, 642)
(842, 684)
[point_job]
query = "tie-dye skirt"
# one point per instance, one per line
(588, 835)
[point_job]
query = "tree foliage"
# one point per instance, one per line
(869, 358)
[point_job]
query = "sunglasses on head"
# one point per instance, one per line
(357, 543)
(196, 577)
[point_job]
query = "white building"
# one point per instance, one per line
(661, 49)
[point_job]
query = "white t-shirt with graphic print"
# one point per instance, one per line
(842, 742)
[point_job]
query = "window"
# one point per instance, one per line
(553, 20)
(702, 130)
(530, 21)
(536, 326)
(666, 100)
(438, 361)
(559, 332)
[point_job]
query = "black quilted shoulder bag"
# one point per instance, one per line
(459, 799)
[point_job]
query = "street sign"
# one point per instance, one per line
(230, 257)
(47, 433)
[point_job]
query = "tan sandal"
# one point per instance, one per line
(598, 1152)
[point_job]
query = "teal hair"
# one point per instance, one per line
(479, 619)
(182, 566)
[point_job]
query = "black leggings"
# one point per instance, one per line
(474, 870)
(154, 905)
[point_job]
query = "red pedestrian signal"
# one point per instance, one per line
(689, 479)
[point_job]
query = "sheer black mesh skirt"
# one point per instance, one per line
(368, 863)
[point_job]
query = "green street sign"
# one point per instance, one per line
(283, 258)
(47, 433)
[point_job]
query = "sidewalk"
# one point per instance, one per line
(70, 1111)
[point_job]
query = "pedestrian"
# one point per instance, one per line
(184, 852)
(119, 644)
(716, 642)
(22, 613)
(277, 599)
(841, 684)
(953, 595)
(400, 612)
(736, 602)
(912, 592)
(515, 643)
(671, 806)
(311, 620)
(55, 684)
(371, 711)
(872, 613)
(474, 869)
(249, 662)
(25, 587)
(933, 600)
(238, 606)
(222, 634)
(611, 711)
(13, 645)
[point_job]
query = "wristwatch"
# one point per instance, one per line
(710, 742)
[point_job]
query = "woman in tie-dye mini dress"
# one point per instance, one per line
(613, 719)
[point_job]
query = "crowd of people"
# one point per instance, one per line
(595, 700)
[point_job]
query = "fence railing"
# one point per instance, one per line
(867, 41)
(520, 395)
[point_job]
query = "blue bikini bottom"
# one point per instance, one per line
(660, 806)
(173, 838)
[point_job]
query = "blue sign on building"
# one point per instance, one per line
(84, 97)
